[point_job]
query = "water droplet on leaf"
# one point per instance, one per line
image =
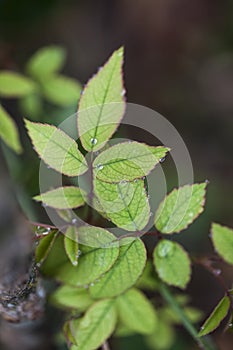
(162, 160)
(99, 166)
(93, 141)
(165, 249)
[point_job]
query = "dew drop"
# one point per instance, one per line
(150, 214)
(165, 249)
(123, 93)
(99, 166)
(136, 180)
(217, 272)
(207, 181)
(79, 253)
(92, 284)
(93, 141)
(74, 221)
(162, 160)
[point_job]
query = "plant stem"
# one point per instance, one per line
(204, 343)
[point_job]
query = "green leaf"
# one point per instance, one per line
(180, 208)
(222, 238)
(45, 245)
(124, 273)
(55, 258)
(62, 198)
(92, 263)
(136, 312)
(125, 204)
(46, 61)
(9, 132)
(61, 90)
(147, 281)
(71, 245)
(172, 263)
(56, 148)
(218, 314)
(71, 297)
(96, 326)
(127, 161)
(162, 338)
(102, 104)
(15, 85)
(31, 105)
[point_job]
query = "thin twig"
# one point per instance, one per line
(204, 343)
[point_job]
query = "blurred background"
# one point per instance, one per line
(178, 61)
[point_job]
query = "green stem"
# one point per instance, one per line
(203, 342)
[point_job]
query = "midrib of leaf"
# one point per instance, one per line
(96, 324)
(103, 102)
(124, 159)
(118, 262)
(182, 203)
(127, 207)
(60, 146)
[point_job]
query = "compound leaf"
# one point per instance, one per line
(102, 104)
(136, 312)
(180, 208)
(56, 148)
(172, 263)
(62, 198)
(127, 161)
(124, 273)
(222, 238)
(9, 132)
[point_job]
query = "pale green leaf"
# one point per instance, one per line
(15, 85)
(61, 90)
(172, 263)
(46, 61)
(125, 204)
(96, 237)
(162, 338)
(71, 245)
(96, 326)
(56, 148)
(222, 238)
(102, 104)
(127, 161)
(218, 314)
(9, 132)
(123, 331)
(62, 198)
(136, 312)
(92, 263)
(180, 208)
(124, 273)
(71, 297)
